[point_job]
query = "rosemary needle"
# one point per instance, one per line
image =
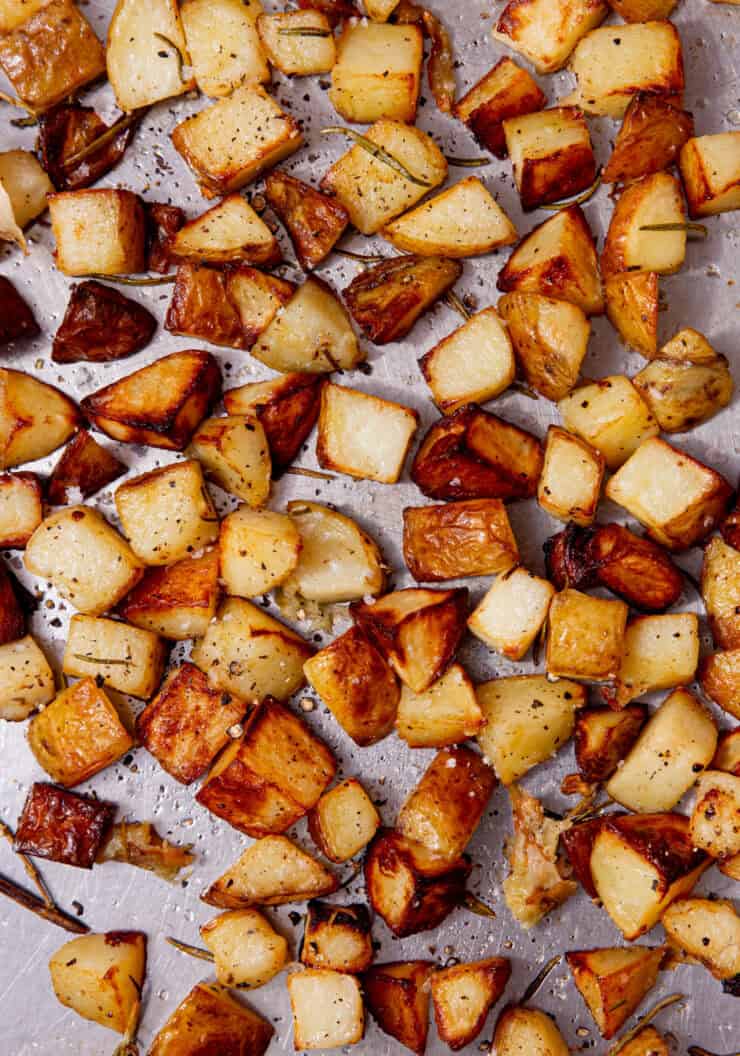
(377, 152)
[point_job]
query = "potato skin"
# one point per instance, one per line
(398, 1000)
(604, 737)
(62, 826)
(84, 465)
(185, 593)
(719, 675)
(16, 318)
(12, 614)
(67, 129)
(651, 137)
(315, 222)
(507, 91)
(101, 325)
(458, 539)
(632, 307)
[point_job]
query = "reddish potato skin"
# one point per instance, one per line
(84, 465)
(69, 128)
(162, 224)
(62, 826)
(731, 527)
(12, 615)
(101, 325)
(16, 318)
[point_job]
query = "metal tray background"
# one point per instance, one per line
(117, 896)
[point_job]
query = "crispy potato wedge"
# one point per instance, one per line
(546, 34)
(446, 714)
(660, 652)
(398, 1000)
(512, 612)
(17, 321)
(585, 636)
(632, 306)
(146, 53)
(234, 454)
(715, 821)
(287, 406)
(101, 977)
(343, 822)
(247, 950)
(719, 675)
(473, 364)
(227, 232)
(314, 221)
(710, 170)
(337, 938)
(720, 588)
(297, 53)
(630, 246)
(603, 737)
(210, 1016)
(610, 415)
(125, 658)
(35, 418)
(327, 1009)
(528, 1030)
(377, 73)
(271, 872)
(99, 231)
(257, 550)
(707, 931)
(550, 338)
(551, 153)
(613, 982)
(27, 680)
(362, 435)
(458, 539)
(21, 509)
(62, 826)
(463, 995)
(224, 45)
(177, 601)
(505, 91)
(84, 468)
(651, 137)
(572, 475)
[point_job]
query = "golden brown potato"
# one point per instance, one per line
(327, 1009)
(458, 539)
(398, 1000)
(511, 614)
(224, 45)
(209, 1016)
(611, 416)
(632, 306)
(446, 714)
(720, 588)
(572, 475)
(629, 246)
(603, 737)
(473, 364)
(294, 52)
(257, 551)
(62, 826)
(234, 454)
(314, 221)
(21, 509)
(521, 1030)
(337, 937)
(651, 137)
(710, 170)
(378, 72)
(177, 601)
(271, 872)
(719, 675)
(101, 977)
(660, 652)
(585, 636)
(115, 654)
(146, 52)
(727, 757)
(85, 467)
(551, 153)
(35, 418)
(545, 33)
(362, 435)
(228, 232)
(24, 186)
(715, 821)
(707, 931)
(550, 338)
(505, 91)
(463, 995)
(25, 675)
(613, 982)
(343, 821)
(643, 10)
(247, 951)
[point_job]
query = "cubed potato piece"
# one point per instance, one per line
(337, 560)
(26, 185)
(98, 232)
(62, 826)
(613, 982)
(287, 407)
(660, 652)
(327, 1009)
(611, 416)
(258, 550)
(463, 995)
(719, 675)
(444, 809)
(271, 872)
(13, 608)
(229, 143)
(337, 937)
(344, 821)
(125, 658)
(640, 863)
(547, 33)
(101, 977)
(557, 259)
(653, 132)
(51, 55)
(35, 418)
(25, 676)
(474, 364)
(603, 737)
(294, 51)
(377, 72)
(458, 539)
(161, 404)
(312, 333)
(18, 320)
(357, 685)
(550, 338)
(247, 950)
(227, 232)
(84, 467)
(234, 454)
(585, 636)
(14, 13)
(512, 613)
(167, 513)
(446, 714)
(505, 91)
(397, 996)
(528, 1030)
(727, 757)
(372, 191)
(677, 498)
(85, 558)
(631, 244)
(706, 931)
(632, 306)
(570, 485)
(527, 719)
(224, 45)
(380, 10)
(146, 53)
(710, 170)
(678, 741)
(715, 821)
(78, 734)
(613, 63)
(270, 777)
(21, 509)
(551, 153)
(177, 601)
(362, 435)
(314, 221)
(463, 221)
(209, 1016)
(720, 588)
(643, 10)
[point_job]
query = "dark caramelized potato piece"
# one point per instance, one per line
(458, 539)
(650, 139)
(85, 466)
(387, 299)
(578, 842)
(101, 325)
(567, 558)
(314, 221)
(162, 224)
(397, 996)
(603, 738)
(62, 826)
(177, 601)
(505, 91)
(12, 614)
(337, 937)
(16, 318)
(730, 527)
(68, 129)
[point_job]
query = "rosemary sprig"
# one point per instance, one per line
(28, 865)
(477, 906)
(456, 304)
(377, 152)
(698, 229)
(579, 199)
(18, 103)
(108, 661)
(133, 280)
(539, 979)
(299, 471)
(192, 951)
(123, 122)
(524, 390)
(643, 1021)
(364, 258)
(24, 122)
(469, 163)
(304, 31)
(37, 905)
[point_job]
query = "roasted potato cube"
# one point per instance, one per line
(234, 454)
(463, 995)
(14, 13)
(719, 675)
(527, 719)
(167, 513)
(35, 418)
(78, 734)
(250, 654)
(613, 63)
(546, 33)
(24, 186)
(257, 550)
(603, 737)
(444, 809)
(528, 1030)
(177, 601)
(98, 231)
(720, 588)
(187, 723)
(707, 931)
(209, 1016)
(25, 676)
(247, 950)
(715, 821)
(362, 435)
(557, 259)
(727, 757)
(357, 685)
(17, 321)
(271, 872)
(610, 415)
(379, 10)
(101, 977)
(632, 307)
(447, 713)
(378, 72)
(270, 777)
(287, 407)
(585, 636)
(314, 221)
(660, 652)
(458, 539)
(62, 826)
(386, 300)
(472, 365)
(227, 232)
(397, 997)
(21, 509)
(337, 937)
(551, 154)
(570, 485)
(613, 982)
(710, 170)
(639, 864)
(232, 141)
(294, 51)
(224, 45)
(343, 822)
(83, 468)
(505, 91)
(631, 243)
(651, 137)
(51, 55)
(125, 658)
(146, 53)
(677, 498)
(512, 612)
(327, 1009)
(372, 191)
(85, 558)
(550, 338)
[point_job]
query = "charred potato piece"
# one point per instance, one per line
(654, 200)
(247, 951)
(719, 675)
(362, 435)
(458, 539)
(314, 221)
(343, 821)
(585, 636)
(271, 872)
(378, 72)
(603, 737)
(234, 455)
(546, 34)
(463, 995)
(224, 45)
(327, 1009)
(613, 982)
(551, 153)
(35, 418)
(98, 232)
(209, 1016)
(710, 170)
(472, 365)
(446, 714)
(297, 53)
(16, 319)
(572, 475)
(528, 1030)
(228, 232)
(163, 222)
(146, 53)
(610, 415)
(506, 91)
(715, 821)
(84, 467)
(21, 509)
(512, 612)
(660, 652)
(398, 1000)
(115, 654)
(707, 931)
(101, 977)
(177, 601)
(550, 338)
(632, 307)
(651, 137)
(62, 826)
(27, 679)
(257, 550)
(12, 621)
(720, 588)
(337, 937)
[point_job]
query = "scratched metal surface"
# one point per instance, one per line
(118, 896)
